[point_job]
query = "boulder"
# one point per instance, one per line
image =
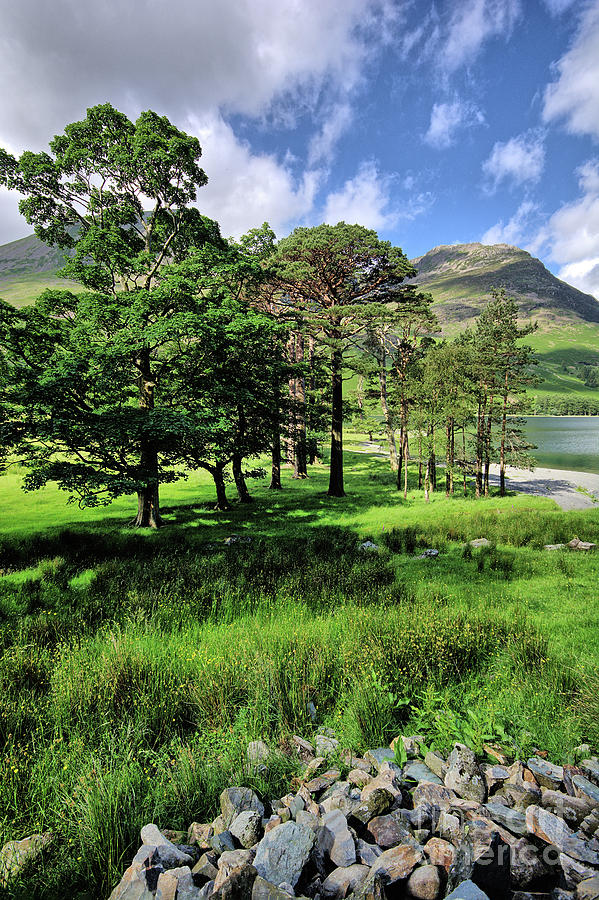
(440, 852)
(424, 883)
(590, 768)
(16, 855)
(546, 774)
(325, 745)
(467, 890)
(585, 789)
(343, 880)
(169, 854)
(235, 800)
(418, 772)
(377, 803)
(387, 831)
(464, 775)
(553, 830)
(247, 827)
(334, 839)
(588, 889)
(512, 819)
(379, 755)
(397, 863)
(283, 852)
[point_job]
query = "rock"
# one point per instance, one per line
(186, 889)
(418, 772)
(588, 889)
(554, 546)
(235, 800)
(236, 539)
(436, 794)
(16, 855)
(429, 553)
(450, 828)
(257, 752)
(355, 762)
(576, 544)
(387, 780)
(379, 755)
(168, 854)
(464, 775)
(368, 546)
(283, 852)
(494, 776)
(572, 809)
(512, 819)
(590, 768)
(585, 789)
(377, 803)
(589, 827)
(247, 827)
(343, 880)
(519, 796)
(480, 542)
(200, 835)
(359, 777)
(325, 745)
(167, 886)
(467, 890)
(546, 774)
(304, 748)
(367, 854)
(206, 867)
(398, 862)
(424, 883)
(387, 831)
(335, 840)
(411, 744)
(322, 782)
(372, 889)
(573, 871)
(272, 823)
(527, 865)
(487, 866)
(440, 852)
(237, 885)
(553, 830)
(222, 843)
(436, 763)
(264, 890)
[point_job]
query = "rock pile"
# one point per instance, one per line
(440, 827)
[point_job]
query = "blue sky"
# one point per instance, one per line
(434, 123)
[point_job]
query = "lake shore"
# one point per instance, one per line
(569, 489)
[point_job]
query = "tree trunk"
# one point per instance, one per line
(275, 478)
(432, 460)
(291, 434)
(464, 467)
(242, 488)
(503, 435)
(148, 502)
(389, 430)
(448, 464)
(336, 471)
(400, 459)
(406, 456)
(488, 439)
(479, 449)
(219, 482)
(419, 460)
(427, 479)
(300, 467)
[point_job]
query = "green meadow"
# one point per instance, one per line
(136, 667)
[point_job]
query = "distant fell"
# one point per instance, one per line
(29, 256)
(460, 278)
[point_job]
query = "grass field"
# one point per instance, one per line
(135, 667)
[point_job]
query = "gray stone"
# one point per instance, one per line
(553, 830)
(424, 883)
(264, 890)
(436, 763)
(206, 867)
(418, 772)
(307, 818)
(554, 546)
(464, 775)
(527, 865)
(222, 843)
(305, 749)
(573, 871)
(359, 777)
(335, 840)
(247, 827)
(368, 546)
(235, 800)
(467, 890)
(236, 885)
(590, 767)
(588, 889)
(366, 853)
(512, 819)
(168, 854)
(546, 774)
(341, 881)
(379, 755)
(325, 745)
(16, 855)
(388, 780)
(283, 852)
(186, 889)
(377, 803)
(572, 809)
(257, 752)
(387, 831)
(494, 775)
(480, 542)
(429, 553)
(436, 794)
(585, 789)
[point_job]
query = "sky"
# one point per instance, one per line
(431, 122)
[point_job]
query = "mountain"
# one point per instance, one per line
(460, 278)
(27, 267)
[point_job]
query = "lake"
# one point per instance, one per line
(565, 442)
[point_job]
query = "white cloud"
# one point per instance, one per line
(572, 233)
(367, 200)
(557, 7)
(518, 160)
(575, 95)
(514, 231)
(12, 224)
(323, 144)
(447, 119)
(471, 24)
(245, 189)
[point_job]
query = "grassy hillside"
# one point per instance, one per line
(136, 667)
